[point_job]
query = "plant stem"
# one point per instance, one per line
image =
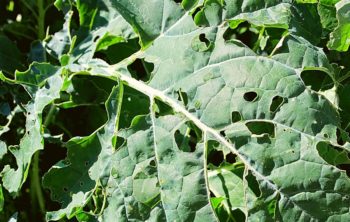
(36, 182)
(41, 19)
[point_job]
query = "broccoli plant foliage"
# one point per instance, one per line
(164, 110)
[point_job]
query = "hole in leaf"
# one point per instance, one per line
(238, 215)
(96, 38)
(47, 85)
(141, 70)
(65, 189)
(222, 133)
(182, 97)
(152, 163)
(235, 117)
(81, 183)
(201, 43)
(195, 12)
(276, 103)
(243, 32)
(229, 34)
(253, 184)
(203, 39)
(117, 52)
(215, 157)
(335, 156)
(187, 137)
(230, 158)
(118, 142)
(250, 96)
(316, 79)
(86, 163)
(178, 1)
(345, 167)
(162, 109)
(341, 137)
(260, 128)
(273, 36)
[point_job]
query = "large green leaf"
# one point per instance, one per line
(190, 110)
(200, 84)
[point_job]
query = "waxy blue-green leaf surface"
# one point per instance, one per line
(212, 116)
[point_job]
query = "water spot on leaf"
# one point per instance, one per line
(235, 117)
(250, 96)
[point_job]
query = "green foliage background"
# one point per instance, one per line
(164, 110)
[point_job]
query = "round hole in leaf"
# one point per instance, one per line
(152, 163)
(250, 96)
